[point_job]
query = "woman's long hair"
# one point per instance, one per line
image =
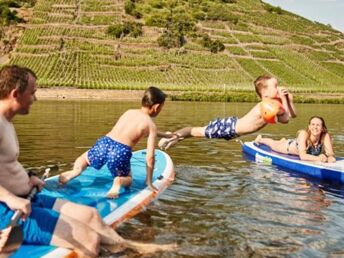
(323, 132)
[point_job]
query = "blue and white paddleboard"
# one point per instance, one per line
(90, 189)
(333, 172)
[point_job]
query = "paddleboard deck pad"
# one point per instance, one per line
(90, 189)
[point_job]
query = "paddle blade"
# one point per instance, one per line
(15, 239)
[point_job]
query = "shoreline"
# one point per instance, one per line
(131, 95)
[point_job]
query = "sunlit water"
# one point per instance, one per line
(221, 203)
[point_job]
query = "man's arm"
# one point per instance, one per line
(14, 202)
(35, 181)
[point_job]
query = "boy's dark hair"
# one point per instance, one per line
(14, 77)
(259, 83)
(152, 96)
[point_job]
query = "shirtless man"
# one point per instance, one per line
(115, 149)
(48, 221)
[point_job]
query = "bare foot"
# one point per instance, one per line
(143, 248)
(114, 191)
(258, 139)
(112, 194)
(66, 176)
(152, 248)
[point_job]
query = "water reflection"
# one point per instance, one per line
(221, 204)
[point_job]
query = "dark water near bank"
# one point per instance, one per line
(221, 204)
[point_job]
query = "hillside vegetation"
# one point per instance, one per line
(12, 13)
(198, 45)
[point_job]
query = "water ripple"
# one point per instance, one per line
(221, 203)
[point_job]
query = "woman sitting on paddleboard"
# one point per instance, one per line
(313, 144)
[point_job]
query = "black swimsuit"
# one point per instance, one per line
(316, 151)
(312, 150)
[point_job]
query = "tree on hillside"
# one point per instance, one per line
(213, 45)
(133, 29)
(178, 25)
(272, 9)
(6, 15)
(130, 8)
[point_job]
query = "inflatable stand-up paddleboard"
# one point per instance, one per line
(333, 172)
(90, 188)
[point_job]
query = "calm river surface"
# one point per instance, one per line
(221, 204)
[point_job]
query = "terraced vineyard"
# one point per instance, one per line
(66, 43)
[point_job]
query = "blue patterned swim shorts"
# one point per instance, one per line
(222, 128)
(112, 153)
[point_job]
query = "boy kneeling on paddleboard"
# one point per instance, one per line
(115, 149)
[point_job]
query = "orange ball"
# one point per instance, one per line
(269, 109)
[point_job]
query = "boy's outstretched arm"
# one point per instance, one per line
(167, 135)
(150, 157)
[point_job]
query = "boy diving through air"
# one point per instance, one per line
(115, 149)
(276, 106)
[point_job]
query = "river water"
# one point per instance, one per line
(221, 204)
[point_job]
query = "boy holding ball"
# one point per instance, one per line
(276, 106)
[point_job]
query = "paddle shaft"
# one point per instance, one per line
(16, 216)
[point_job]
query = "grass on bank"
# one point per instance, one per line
(235, 96)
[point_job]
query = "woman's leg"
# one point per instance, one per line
(276, 145)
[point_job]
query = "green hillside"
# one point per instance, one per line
(178, 45)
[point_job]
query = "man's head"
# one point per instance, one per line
(18, 84)
(266, 86)
(153, 99)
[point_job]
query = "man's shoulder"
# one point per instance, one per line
(2, 126)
